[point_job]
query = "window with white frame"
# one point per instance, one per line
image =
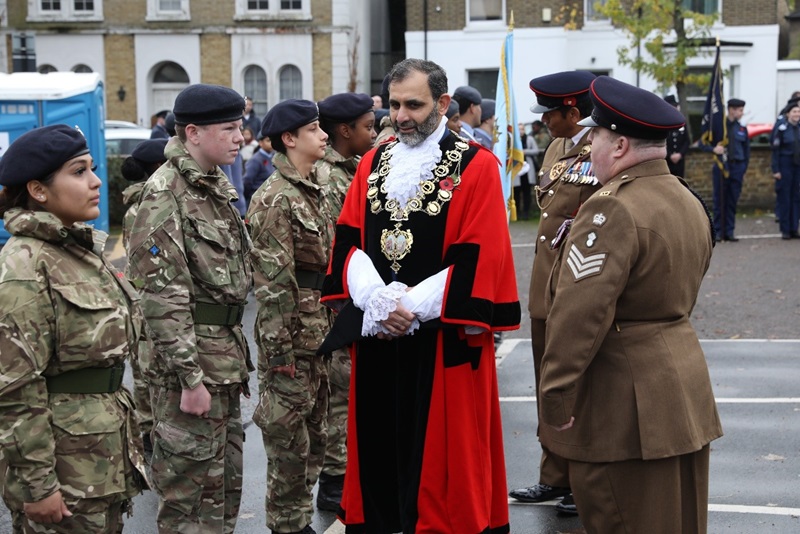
(272, 10)
(65, 10)
(290, 82)
(168, 10)
(255, 86)
(592, 12)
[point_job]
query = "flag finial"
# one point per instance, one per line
(511, 21)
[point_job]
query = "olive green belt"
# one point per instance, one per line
(309, 279)
(88, 380)
(218, 314)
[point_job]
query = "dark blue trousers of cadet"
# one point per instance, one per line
(732, 190)
(787, 190)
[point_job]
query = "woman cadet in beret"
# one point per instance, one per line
(69, 442)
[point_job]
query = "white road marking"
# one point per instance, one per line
(722, 508)
(720, 400)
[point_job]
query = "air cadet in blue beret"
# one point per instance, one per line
(69, 322)
(564, 182)
(469, 107)
(159, 130)
(453, 117)
(259, 167)
(349, 121)
(189, 255)
(625, 392)
(727, 182)
(291, 224)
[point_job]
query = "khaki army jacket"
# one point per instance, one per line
(188, 246)
(292, 227)
(334, 175)
(130, 197)
(621, 355)
(63, 307)
(566, 181)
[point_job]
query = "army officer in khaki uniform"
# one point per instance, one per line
(565, 181)
(624, 379)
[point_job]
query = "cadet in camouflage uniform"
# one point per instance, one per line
(292, 229)
(349, 121)
(69, 441)
(143, 161)
(189, 254)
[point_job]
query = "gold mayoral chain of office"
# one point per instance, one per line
(559, 174)
(396, 243)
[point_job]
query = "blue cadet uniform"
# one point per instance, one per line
(677, 143)
(487, 112)
(256, 171)
(728, 189)
(785, 141)
(467, 96)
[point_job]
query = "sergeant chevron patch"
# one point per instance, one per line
(583, 266)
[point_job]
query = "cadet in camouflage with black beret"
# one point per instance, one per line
(292, 227)
(69, 441)
(349, 121)
(189, 254)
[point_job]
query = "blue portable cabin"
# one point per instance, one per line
(29, 100)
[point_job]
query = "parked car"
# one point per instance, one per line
(759, 133)
(122, 141)
(112, 124)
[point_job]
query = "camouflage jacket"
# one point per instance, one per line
(63, 307)
(188, 245)
(334, 174)
(292, 227)
(130, 197)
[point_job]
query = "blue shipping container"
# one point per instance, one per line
(29, 100)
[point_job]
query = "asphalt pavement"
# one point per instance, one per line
(747, 317)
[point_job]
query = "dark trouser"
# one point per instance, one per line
(665, 496)
(787, 191)
(553, 469)
(522, 197)
(727, 191)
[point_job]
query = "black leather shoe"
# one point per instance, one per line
(786, 236)
(567, 506)
(794, 235)
(731, 238)
(329, 495)
(538, 493)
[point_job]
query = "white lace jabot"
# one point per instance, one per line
(408, 166)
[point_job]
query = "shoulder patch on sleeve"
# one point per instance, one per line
(584, 266)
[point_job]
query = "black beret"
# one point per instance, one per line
(791, 103)
(470, 94)
(208, 104)
(452, 109)
(345, 107)
(487, 109)
(289, 115)
(162, 114)
(735, 103)
(37, 154)
(631, 111)
(670, 99)
(562, 89)
(150, 151)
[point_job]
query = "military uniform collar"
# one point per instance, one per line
(653, 167)
(45, 226)
(216, 181)
(335, 158)
(291, 174)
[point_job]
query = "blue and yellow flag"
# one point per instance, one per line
(508, 146)
(714, 126)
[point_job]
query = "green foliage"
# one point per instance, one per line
(654, 23)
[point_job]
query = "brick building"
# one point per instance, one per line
(465, 37)
(148, 50)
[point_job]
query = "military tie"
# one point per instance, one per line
(568, 144)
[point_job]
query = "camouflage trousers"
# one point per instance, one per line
(197, 462)
(292, 414)
(98, 516)
(336, 451)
